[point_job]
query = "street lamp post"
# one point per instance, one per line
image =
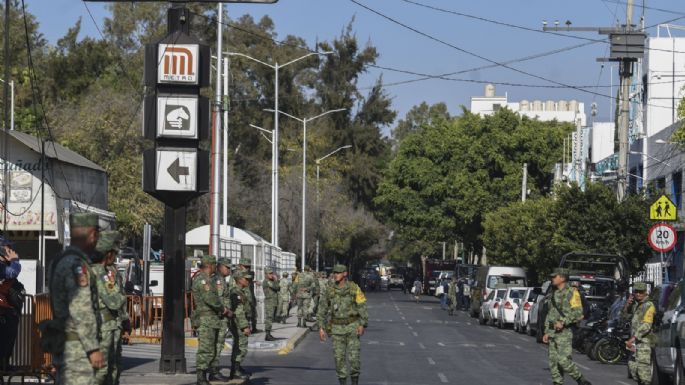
(275, 136)
(318, 201)
(304, 170)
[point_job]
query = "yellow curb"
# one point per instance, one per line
(193, 343)
(292, 343)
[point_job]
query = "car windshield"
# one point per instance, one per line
(495, 280)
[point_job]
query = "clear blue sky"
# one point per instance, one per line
(403, 49)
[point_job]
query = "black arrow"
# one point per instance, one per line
(176, 171)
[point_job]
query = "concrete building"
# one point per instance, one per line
(560, 110)
(72, 183)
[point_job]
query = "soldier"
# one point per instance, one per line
(223, 276)
(284, 298)
(240, 327)
(565, 310)
(271, 288)
(208, 313)
(73, 295)
(305, 286)
(343, 315)
(246, 266)
(111, 306)
(452, 295)
(641, 338)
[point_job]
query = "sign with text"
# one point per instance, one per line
(662, 237)
(178, 64)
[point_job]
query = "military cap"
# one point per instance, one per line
(240, 274)
(285, 274)
(224, 261)
(208, 259)
(307, 268)
(108, 240)
(559, 271)
(245, 261)
(77, 220)
(640, 286)
(339, 268)
(268, 270)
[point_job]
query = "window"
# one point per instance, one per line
(677, 188)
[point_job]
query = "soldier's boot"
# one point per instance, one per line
(343, 381)
(355, 380)
(202, 377)
(237, 374)
(215, 375)
(269, 337)
(583, 381)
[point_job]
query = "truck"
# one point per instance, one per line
(432, 268)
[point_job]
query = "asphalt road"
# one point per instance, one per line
(414, 344)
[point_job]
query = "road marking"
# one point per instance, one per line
(468, 323)
(504, 337)
(403, 318)
(518, 347)
(489, 345)
(418, 321)
(524, 339)
(415, 334)
(441, 344)
(422, 346)
(430, 361)
(410, 327)
(583, 367)
(443, 378)
(623, 383)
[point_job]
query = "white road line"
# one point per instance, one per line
(583, 367)
(422, 346)
(415, 334)
(524, 339)
(430, 361)
(443, 378)
(518, 347)
(468, 323)
(403, 318)
(441, 344)
(410, 327)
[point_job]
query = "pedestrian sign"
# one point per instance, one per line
(663, 210)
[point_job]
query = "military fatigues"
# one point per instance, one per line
(73, 294)
(271, 289)
(112, 309)
(305, 286)
(284, 294)
(341, 311)
(452, 297)
(240, 306)
(208, 314)
(569, 303)
(641, 328)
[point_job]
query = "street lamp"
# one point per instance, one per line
(275, 136)
(318, 205)
(650, 157)
(304, 169)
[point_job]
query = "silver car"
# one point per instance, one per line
(669, 352)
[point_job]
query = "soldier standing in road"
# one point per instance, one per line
(565, 310)
(641, 338)
(209, 311)
(223, 275)
(111, 306)
(284, 298)
(271, 288)
(305, 285)
(240, 327)
(73, 295)
(452, 295)
(343, 314)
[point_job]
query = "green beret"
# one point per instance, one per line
(268, 270)
(560, 271)
(77, 220)
(339, 268)
(639, 286)
(245, 261)
(108, 240)
(208, 259)
(240, 274)
(224, 261)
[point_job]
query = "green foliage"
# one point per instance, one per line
(536, 233)
(448, 175)
(417, 118)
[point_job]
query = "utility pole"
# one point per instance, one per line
(627, 46)
(214, 222)
(6, 116)
(444, 250)
(524, 183)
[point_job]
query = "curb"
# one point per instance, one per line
(192, 342)
(293, 342)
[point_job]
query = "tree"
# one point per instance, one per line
(418, 117)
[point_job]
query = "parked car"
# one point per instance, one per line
(489, 308)
(535, 321)
(523, 311)
(509, 305)
(670, 338)
(433, 281)
(489, 278)
(395, 281)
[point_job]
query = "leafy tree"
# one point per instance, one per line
(417, 118)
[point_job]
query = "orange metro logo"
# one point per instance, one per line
(178, 63)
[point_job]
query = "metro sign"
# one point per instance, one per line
(178, 63)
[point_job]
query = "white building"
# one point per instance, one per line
(560, 110)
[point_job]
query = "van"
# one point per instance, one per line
(491, 277)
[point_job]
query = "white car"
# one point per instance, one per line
(509, 305)
(523, 312)
(490, 306)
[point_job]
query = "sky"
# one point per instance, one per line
(443, 42)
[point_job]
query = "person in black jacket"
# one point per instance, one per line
(11, 301)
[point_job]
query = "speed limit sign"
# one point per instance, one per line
(662, 237)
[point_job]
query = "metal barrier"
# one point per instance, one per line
(146, 314)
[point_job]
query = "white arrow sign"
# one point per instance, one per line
(176, 170)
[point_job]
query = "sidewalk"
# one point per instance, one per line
(141, 361)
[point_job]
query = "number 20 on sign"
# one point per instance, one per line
(662, 237)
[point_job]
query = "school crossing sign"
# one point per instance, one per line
(663, 209)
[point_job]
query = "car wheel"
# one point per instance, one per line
(529, 330)
(516, 326)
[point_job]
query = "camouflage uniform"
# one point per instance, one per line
(341, 311)
(305, 287)
(112, 310)
(452, 296)
(223, 290)
(73, 295)
(240, 306)
(641, 328)
(284, 294)
(271, 289)
(207, 315)
(568, 310)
